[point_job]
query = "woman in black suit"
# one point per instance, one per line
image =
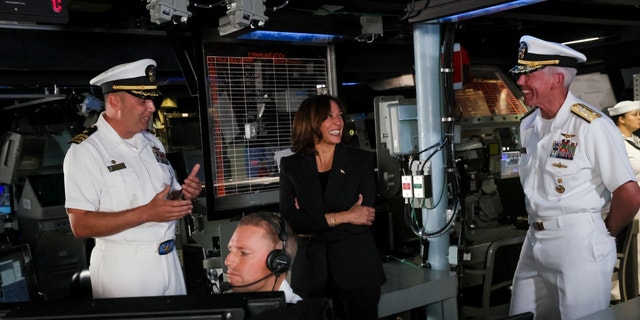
(327, 193)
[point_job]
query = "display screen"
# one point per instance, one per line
(183, 131)
(18, 280)
(509, 164)
(49, 188)
(253, 97)
(6, 199)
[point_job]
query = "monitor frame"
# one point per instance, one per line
(22, 254)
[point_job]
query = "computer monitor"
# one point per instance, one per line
(183, 131)
(509, 164)
(248, 305)
(17, 275)
(6, 199)
(42, 197)
(512, 199)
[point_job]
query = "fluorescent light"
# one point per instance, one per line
(582, 40)
(290, 36)
(486, 11)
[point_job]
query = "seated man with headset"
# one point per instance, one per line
(261, 250)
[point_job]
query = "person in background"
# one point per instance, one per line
(573, 162)
(327, 193)
(121, 190)
(626, 115)
(261, 251)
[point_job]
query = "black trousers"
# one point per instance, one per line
(311, 277)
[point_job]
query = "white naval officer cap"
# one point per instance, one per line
(623, 107)
(535, 54)
(137, 78)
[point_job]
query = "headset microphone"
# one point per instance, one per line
(226, 286)
(278, 261)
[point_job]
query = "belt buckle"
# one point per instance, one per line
(538, 225)
(166, 247)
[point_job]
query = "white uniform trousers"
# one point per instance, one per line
(564, 271)
(119, 269)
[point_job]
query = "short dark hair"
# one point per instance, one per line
(308, 119)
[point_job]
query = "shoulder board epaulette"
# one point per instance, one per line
(83, 135)
(584, 112)
(526, 114)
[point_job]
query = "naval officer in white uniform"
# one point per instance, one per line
(573, 162)
(121, 190)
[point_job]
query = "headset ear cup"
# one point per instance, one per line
(278, 261)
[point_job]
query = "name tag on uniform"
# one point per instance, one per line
(116, 167)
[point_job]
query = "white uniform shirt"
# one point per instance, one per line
(634, 153)
(589, 162)
(135, 177)
(289, 295)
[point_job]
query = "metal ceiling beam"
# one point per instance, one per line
(565, 19)
(39, 99)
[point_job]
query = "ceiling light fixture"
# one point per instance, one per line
(290, 36)
(161, 11)
(454, 10)
(582, 40)
(242, 14)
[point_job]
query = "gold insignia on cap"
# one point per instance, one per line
(151, 73)
(568, 135)
(142, 93)
(523, 50)
(126, 88)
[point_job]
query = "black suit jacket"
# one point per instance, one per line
(347, 252)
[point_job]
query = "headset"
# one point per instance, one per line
(278, 261)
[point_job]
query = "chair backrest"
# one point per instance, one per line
(501, 261)
(628, 273)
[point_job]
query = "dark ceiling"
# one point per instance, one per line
(101, 33)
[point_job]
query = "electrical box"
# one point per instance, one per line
(399, 125)
(418, 186)
(407, 187)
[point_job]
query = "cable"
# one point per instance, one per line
(447, 225)
(208, 6)
(282, 5)
(412, 9)
(439, 146)
(405, 262)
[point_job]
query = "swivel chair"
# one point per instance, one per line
(626, 272)
(80, 287)
(491, 298)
